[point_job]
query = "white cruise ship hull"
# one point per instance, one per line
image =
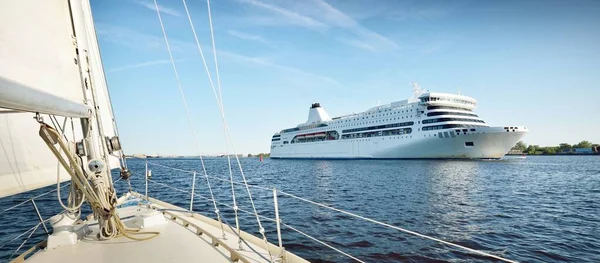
(428, 126)
(488, 143)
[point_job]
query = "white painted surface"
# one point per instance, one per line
(38, 50)
(488, 142)
(176, 243)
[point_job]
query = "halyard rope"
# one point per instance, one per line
(98, 195)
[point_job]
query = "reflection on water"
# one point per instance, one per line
(539, 209)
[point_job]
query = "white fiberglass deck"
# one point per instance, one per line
(176, 243)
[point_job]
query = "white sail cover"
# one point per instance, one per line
(38, 49)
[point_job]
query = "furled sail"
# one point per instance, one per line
(88, 42)
(39, 46)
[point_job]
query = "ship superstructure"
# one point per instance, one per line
(429, 125)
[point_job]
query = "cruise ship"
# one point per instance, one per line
(428, 125)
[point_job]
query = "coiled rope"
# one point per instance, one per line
(97, 189)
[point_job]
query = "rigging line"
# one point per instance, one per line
(73, 195)
(220, 107)
(322, 243)
(227, 132)
(226, 223)
(185, 103)
(24, 241)
(70, 209)
(72, 130)
(219, 99)
(210, 176)
(20, 235)
(168, 186)
(28, 200)
(214, 49)
(173, 168)
(27, 231)
(212, 37)
(208, 199)
(57, 125)
(399, 228)
(248, 245)
(15, 206)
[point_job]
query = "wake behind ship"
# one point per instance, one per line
(429, 125)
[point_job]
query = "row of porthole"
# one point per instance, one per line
(362, 123)
(362, 140)
(369, 113)
(335, 127)
(378, 115)
(379, 120)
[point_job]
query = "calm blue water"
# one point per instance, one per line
(539, 209)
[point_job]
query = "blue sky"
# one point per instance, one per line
(531, 63)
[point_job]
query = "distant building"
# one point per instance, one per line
(583, 150)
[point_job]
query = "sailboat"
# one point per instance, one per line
(57, 125)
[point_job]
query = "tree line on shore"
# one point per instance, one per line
(550, 150)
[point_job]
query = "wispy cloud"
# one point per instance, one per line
(321, 16)
(139, 65)
(136, 40)
(141, 41)
(357, 43)
(266, 63)
(250, 37)
(289, 15)
(145, 64)
(364, 35)
(165, 10)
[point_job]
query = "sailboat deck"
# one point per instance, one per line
(178, 241)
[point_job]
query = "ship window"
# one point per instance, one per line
(472, 129)
(447, 126)
(451, 119)
(450, 113)
(469, 144)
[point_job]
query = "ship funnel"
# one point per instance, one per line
(317, 114)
